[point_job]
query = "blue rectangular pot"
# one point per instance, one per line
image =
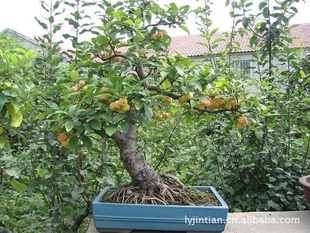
(119, 216)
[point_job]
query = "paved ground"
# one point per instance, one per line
(256, 222)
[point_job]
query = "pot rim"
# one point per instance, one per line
(305, 180)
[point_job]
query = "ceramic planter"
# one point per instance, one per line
(305, 182)
(116, 217)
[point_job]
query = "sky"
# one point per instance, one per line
(19, 15)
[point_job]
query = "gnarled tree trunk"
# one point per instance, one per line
(141, 173)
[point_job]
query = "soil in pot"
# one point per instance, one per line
(185, 196)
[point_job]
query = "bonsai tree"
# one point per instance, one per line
(126, 76)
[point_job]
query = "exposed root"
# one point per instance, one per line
(167, 191)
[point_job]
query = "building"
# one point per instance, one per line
(28, 42)
(196, 46)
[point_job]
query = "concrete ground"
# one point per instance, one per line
(254, 222)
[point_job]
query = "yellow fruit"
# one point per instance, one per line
(234, 105)
(165, 33)
(116, 59)
(81, 83)
(155, 115)
(166, 115)
(104, 89)
(65, 143)
(1, 130)
(160, 35)
(124, 109)
(103, 97)
(199, 105)
(216, 93)
(154, 37)
(167, 100)
(62, 137)
(123, 102)
(242, 120)
(182, 99)
(114, 106)
(74, 88)
(228, 106)
(159, 117)
(189, 96)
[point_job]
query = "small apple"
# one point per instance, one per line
(166, 115)
(124, 108)
(74, 88)
(82, 83)
(165, 33)
(123, 102)
(199, 105)
(65, 143)
(182, 99)
(160, 35)
(167, 100)
(116, 58)
(242, 120)
(104, 89)
(62, 137)
(189, 96)
(154, 37)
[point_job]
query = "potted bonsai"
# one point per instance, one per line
(124, 77)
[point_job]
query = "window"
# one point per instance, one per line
(244, 65)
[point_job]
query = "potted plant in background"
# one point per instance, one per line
(125, 77)
(305, 182)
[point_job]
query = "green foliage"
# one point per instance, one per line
(256, 167)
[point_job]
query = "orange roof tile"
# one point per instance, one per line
(191, 45)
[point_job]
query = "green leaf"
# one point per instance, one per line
(13, 172)
(17, 119)
(262, 5)
(18, 186)
(124, 127)
(148, 111)
(73, 143)
(42, 115)
(3, 100)
(76, 192)
(184, 28)
(74, 75)
(166, 84)
(69, 126)
(302, 74)
(245, 22)
(102, 40)
(87, 142)
(118, 118)
(266, 12)
(96, 125)
(4, 143)
(110, 130)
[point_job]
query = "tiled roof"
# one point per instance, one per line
(191, 45)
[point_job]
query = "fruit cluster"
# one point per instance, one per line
(63, 139)
(160, 117)
(81, 84)
(184, 98)
(242, 121)
(213, 101)
(159, 35)
(121, 105)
